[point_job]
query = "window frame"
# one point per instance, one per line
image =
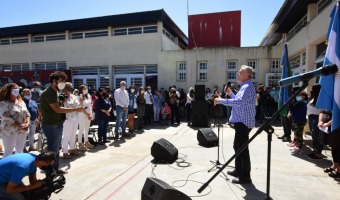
(202, 72)
(181, 71)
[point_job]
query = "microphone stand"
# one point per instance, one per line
(265, 127)
(217, 163)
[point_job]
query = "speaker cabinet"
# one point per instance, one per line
(199, 92)
(207, 138)
(200, 113)
(163, 151)
(155, 189)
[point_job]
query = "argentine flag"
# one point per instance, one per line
(329, 97)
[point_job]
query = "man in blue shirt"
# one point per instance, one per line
(15, 167)
(243, 118)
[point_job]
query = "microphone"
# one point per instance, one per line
(322, 71)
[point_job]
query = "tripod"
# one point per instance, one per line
(217, 163)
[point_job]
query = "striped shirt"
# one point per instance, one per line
(243, 104)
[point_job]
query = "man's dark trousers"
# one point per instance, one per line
(242, 161)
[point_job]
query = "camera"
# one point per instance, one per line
(53, 183)
(62, 96)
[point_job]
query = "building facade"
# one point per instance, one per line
(303, 25)
(218, 66)
(145, 48)
(99, 51)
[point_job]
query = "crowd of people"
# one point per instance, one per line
(64, 114)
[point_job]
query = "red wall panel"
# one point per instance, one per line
(215, 29)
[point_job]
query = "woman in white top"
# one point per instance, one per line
(15, 119)
(190, 97)
(85, 118)
(313, 116)
(70, 125)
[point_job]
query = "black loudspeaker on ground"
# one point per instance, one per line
(163, 151)
(155, 189)
(207, 138)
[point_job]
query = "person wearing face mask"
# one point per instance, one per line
(148, 106)
(15, 119)
(85, 119)
(122, 102)
(132, 108)
(16, 167)
(298, 113)
(52, 115)
(103, 112)
(140, 107)
(157, 106)
(35, 117)
(70, 125)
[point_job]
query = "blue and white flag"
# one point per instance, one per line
(286, 72)
(329, 97)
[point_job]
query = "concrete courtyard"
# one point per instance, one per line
(119, 169)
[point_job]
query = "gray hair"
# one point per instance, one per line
(249, 70)
(123, 83)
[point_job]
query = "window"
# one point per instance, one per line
(96, 34)
(38, 39)
(55, 37)
(232, 65)
(202, 71)
(77, 36)
(231, 71)
(15, 67)
(133, 31)
(120, 31)
(89, 34)
(150, 29)
(5, 41)
(254, 64)
(275, 66)
(322, 4)
(19, 40)
(231, 76)
(168, 35)
(298, 26)
(50, 66)
(272, 79)
(181, 71)
(295, 61)
(303, 58)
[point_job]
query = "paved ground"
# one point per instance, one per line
(120, 169)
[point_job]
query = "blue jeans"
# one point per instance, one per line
(9, 196)
(313, 126)
(102, 129)
(120, 119)
(53, 135)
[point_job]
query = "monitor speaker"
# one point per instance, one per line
(163, 151)
(207, 138)
(155, 189)
(199, 92)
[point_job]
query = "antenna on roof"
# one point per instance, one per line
(188, 8)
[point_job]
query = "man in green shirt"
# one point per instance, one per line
(53, 115)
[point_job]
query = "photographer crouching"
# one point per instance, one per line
(17, 166)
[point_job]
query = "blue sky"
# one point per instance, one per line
(256, 15)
